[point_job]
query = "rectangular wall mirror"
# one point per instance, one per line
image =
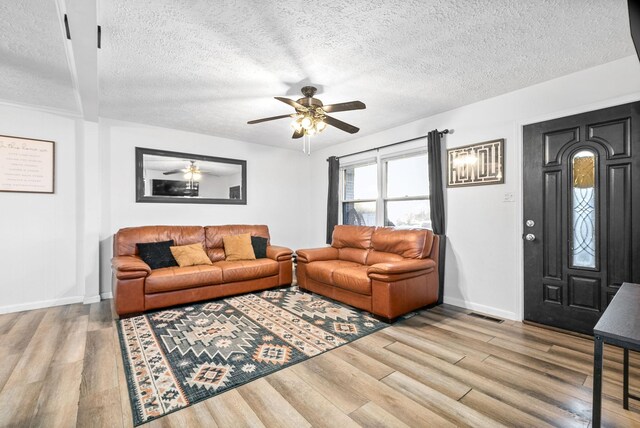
(163, 176)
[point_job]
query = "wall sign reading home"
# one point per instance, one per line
(476, 164)
(163, 176)
(26, 165)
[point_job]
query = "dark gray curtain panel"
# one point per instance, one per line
(332, 197)
(436, 200)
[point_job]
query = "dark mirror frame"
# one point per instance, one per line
(140, 196)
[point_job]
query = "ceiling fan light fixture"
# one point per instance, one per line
(306, 122)
(310, 117)
(295, 125)
(192, 173)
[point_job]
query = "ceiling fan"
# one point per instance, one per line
(311, 115)
(191, 172)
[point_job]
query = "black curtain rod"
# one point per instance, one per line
(444, 131)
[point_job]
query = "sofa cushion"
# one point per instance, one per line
(214, 234)
(382, 257)
(215, 254)
(178, 278)
(238, 247)
(243, 270)
(259, 245)
(409, 243)
(356, 255)
(190, 255)
(322, 271)
(352, 236)
(353, 279)
(157, 254)
(124, 242)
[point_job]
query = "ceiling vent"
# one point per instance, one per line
(486, 317)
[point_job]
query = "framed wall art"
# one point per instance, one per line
(476, 164)
(26, 165)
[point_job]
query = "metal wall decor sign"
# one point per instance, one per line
(476, 164)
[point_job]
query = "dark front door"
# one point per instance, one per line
(581, 214)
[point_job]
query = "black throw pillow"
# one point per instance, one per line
(259, 245)
(157, 254)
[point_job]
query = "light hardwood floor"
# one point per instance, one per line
(62, 367)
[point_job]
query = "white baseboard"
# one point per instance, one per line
(105, 296)
(481, 308)
(91, 299)
(40, 304)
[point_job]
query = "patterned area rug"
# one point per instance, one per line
(176, 357)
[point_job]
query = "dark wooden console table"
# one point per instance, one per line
(619, 326)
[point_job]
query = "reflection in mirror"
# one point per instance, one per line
(163, 176)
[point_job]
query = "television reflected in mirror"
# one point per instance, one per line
(170, 177)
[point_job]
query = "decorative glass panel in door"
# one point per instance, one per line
(583, 209)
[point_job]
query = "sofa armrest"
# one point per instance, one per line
(317, 254)
(277, 253)
(402, 267)
(130, 267)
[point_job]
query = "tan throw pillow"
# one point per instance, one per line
(190, 255)
(238, 247)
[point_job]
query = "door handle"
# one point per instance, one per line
(530, 237)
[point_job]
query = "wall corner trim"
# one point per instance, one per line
(91, 299)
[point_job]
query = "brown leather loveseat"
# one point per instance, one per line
(138, 288)
(385, 271)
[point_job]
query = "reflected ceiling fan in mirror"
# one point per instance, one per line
(191, 172)
(311, 116)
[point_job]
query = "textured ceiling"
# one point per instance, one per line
(212, 66)
(33, 61)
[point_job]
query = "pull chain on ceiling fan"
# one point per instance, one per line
(311, 116)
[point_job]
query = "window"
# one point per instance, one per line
(392, 190)
(406, 201)
(359, 195)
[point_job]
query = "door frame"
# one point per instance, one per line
(517, 152)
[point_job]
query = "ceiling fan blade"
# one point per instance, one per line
(251, 122)
(292, 103)
(340, 125)
(298, 134)
(173, 171)
(351, 105)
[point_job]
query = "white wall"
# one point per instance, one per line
(51, 242)
(39, 232)
(484, 251)
(276, 187)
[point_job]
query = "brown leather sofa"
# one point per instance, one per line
(385, 271)
(137, 288)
